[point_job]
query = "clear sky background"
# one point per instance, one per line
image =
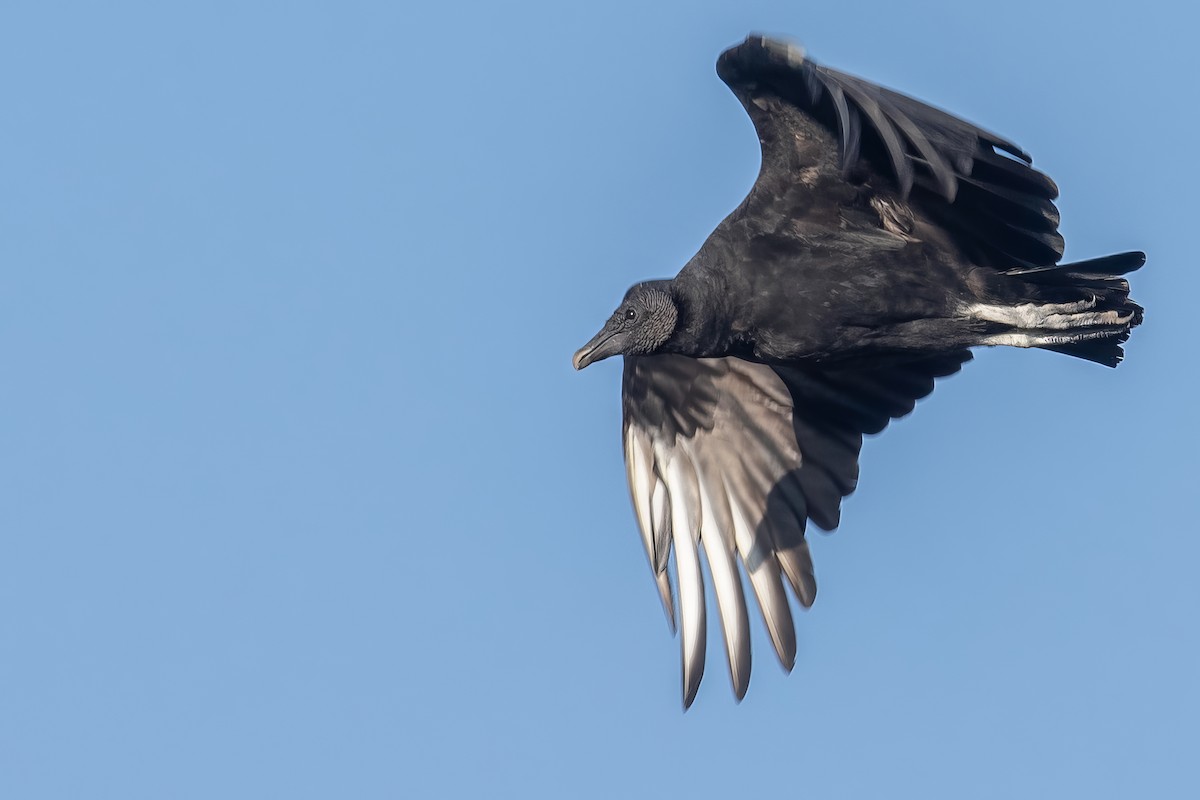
(301, 497)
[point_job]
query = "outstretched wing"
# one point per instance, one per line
(732, 458)
(827, 136)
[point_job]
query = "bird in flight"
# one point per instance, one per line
(882, 239)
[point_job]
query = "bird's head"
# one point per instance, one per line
(641, 325)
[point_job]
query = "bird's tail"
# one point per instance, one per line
(1081, 309)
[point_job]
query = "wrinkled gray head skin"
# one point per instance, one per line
(641, 325)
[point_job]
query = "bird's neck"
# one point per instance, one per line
(703, 329)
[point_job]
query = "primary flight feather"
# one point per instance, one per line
(882, 239)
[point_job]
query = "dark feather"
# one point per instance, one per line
(908, 144)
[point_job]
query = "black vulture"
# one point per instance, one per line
(881, 240)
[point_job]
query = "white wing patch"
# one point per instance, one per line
(706, 489)
(730, 459)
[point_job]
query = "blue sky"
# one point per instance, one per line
(303, 499)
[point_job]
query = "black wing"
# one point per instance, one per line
(826, 135)
(734, 457)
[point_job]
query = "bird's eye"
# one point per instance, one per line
(630, 314)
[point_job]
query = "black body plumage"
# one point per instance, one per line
(882, 239)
